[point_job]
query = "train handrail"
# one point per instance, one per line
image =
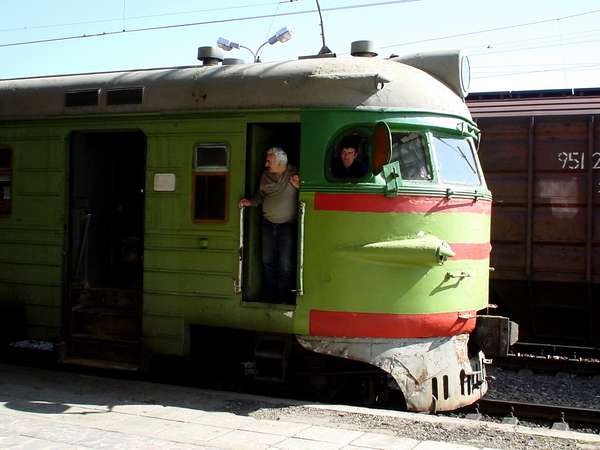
(301, 215)
(83, 246)
(238, 282)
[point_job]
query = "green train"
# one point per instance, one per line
(121, 236)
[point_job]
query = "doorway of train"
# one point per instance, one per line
(260, 138)
(102, 312)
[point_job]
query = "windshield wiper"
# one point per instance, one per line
(461, 154)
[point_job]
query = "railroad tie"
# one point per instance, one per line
(511, 419)
(562, 425)
(476, 415)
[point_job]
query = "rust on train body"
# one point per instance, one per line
(541, 154)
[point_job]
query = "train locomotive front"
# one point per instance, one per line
(130, 182)
(399, 262)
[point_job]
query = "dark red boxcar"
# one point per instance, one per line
(540, 151)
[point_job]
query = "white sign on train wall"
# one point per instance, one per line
(164, 182)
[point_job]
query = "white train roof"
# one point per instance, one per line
(354, 83)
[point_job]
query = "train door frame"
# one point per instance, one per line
(260, 137)
(103, 303)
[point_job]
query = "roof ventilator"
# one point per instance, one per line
(210, 56)
(364, 49)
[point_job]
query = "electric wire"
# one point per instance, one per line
(207, 22)
(148, 16)
(478, 74)
(535, 47)
(544, 39)
(593, 67)
(272, 22)
(487, 52)
(489, 30)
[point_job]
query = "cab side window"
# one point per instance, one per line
(349, 157)
(5, 180)
(409, 150)
(210, 180)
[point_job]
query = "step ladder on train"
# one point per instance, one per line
(271, 356)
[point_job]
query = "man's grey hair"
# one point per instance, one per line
(280, 155)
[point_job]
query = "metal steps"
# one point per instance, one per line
(104, 329)
(271, 355)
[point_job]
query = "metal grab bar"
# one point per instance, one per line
(238, 284)
(83, 246)
(301, 215)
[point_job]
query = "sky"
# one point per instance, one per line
(512, 44)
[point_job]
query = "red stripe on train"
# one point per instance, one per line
(403, 203)
(470, 251)
(391, 326)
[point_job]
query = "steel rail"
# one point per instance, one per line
(548, 365)
(524, 411)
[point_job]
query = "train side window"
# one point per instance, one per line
(5, 180)
(210, 180)
(349, 158)
(456, 161)
(409, 150)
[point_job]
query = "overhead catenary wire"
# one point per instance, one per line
(479, 70)
(147, 16)
(489, 30)
(591, 67)
(272, 22)
(577, 38)
(206, 22)
(291, 13)
(540, 40)
(533, 43)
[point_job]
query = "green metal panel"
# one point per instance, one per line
(31, 237)
(187, 263)
(337, 279)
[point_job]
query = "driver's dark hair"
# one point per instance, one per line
(350, 142)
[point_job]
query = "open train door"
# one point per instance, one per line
(261, 137)
(102, 313)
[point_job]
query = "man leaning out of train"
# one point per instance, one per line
(278, 195)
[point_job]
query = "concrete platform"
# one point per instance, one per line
(43, 409)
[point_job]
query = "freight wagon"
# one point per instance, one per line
(541, 154)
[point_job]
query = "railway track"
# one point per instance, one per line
(548, 365)
(556, 350)
(552, 359)
(526, 411)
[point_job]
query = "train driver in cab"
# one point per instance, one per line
(278, 195)
(346, 164)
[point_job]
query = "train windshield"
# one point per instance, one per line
(456, 161)
(410, 151)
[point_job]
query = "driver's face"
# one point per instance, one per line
(348, 156)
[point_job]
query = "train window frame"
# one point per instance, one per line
(6, 182)
(208, 173)
(439, 169)
(365, 133)
(427, 153)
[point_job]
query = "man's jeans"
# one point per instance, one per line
(279, 259)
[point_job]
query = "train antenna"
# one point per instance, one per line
(324, 50)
